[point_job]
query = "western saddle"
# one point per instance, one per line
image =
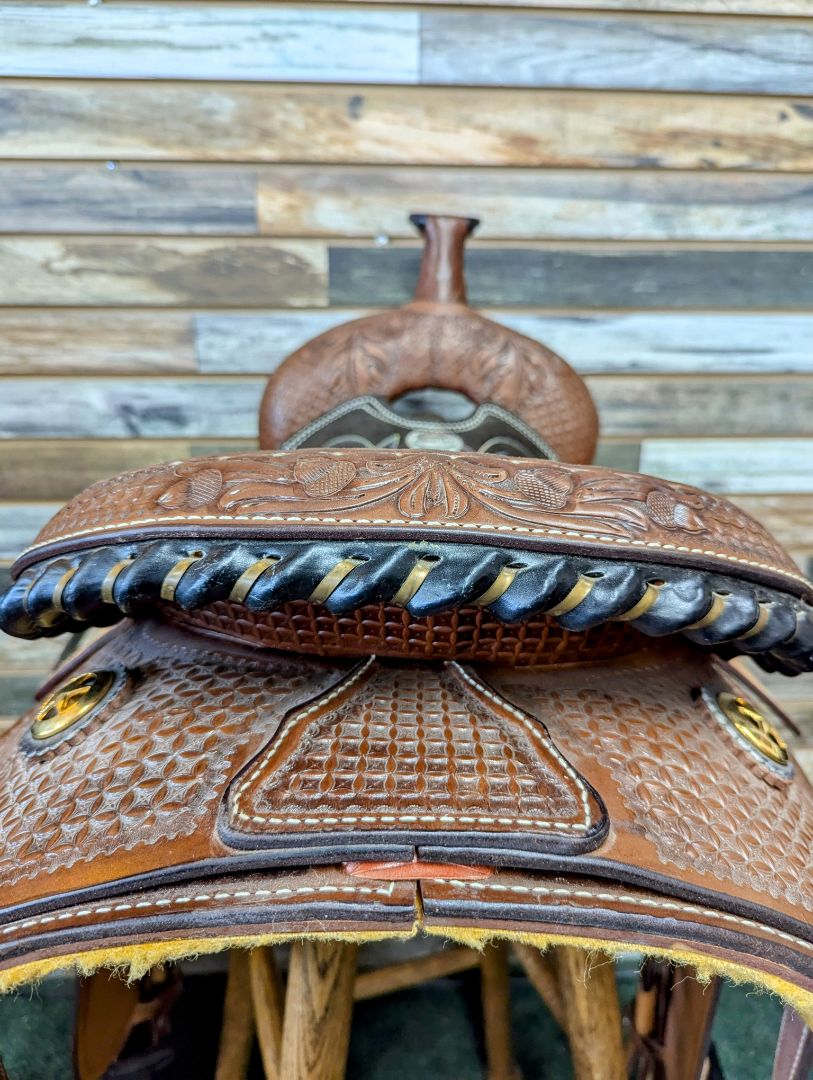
(415, 665)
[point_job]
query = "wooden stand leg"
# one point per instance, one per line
(237, 1034)
(689, 1016)
(318, 1010)
(592, 1015)
(497, 1013)
(541, 971)
(268, 1001)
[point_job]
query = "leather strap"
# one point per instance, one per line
(794, 1050)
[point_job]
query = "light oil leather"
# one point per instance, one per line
(520, 671)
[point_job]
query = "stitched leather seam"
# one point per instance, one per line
(533, 728)
(621, 898)
(242, 894)
(391, 819)
(320, 520)
(163, 902)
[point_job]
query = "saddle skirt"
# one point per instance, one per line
(415, 665)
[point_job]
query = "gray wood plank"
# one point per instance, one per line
(746, 466)
(208, 41)
(670, 343)
(600, 277)
(406, 125)
(19, 524)
(526, 204)
(226, 407)
(300, 201)
(800, 8)
(111, 341)
(111, 198)
(153, 271)
(123, 341)
(616, 52)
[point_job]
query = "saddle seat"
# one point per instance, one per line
(358, 691)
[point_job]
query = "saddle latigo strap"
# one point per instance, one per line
(395, 683)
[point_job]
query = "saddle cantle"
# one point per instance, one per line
(416, 664)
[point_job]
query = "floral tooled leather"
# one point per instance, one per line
(429, 493)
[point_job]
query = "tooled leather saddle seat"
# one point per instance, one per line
(411, 665)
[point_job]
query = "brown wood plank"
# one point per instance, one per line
(590, 277)
(525, 205)
(408, 125)
(54, 470)
(121, 341)
(298, 201)
(226, 407)
(105, 197)
(615, 51)
(64, 341)
(163, 272)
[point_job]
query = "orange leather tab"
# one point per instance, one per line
(417, 870)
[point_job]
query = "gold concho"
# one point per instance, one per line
(71, 702)
(754, 726)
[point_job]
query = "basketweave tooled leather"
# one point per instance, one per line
(380, 689)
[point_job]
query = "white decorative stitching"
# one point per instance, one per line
(622, 898)
(313, 519)
(203, 898)
(534, 729)
(392, 819)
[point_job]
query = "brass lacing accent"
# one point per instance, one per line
(580, 591)
(59, 588)
(242, 587)
(414, 579)
(173, 578)
(713, 614)
(765, 608)
(331, 581)
(499, 585)
(111, 577)
(651, 594)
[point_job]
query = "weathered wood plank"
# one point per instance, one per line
(163, 271)
(17, 696)
(346, 44)
(800, 8)
(410, 125)
(745, 466)
(525, 205)
(19, 524)
(600, 277)
(57, 469)
(209, 41)
(788, 517)
(615, 52)
(298, 201)
(120, 341)
(665, 343)
(108, 198)
(226, 407)
(51, 470)
(63, 341)
(28, 657)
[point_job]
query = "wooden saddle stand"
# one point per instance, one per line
(415, 666)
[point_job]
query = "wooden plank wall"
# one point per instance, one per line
(188, 190)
